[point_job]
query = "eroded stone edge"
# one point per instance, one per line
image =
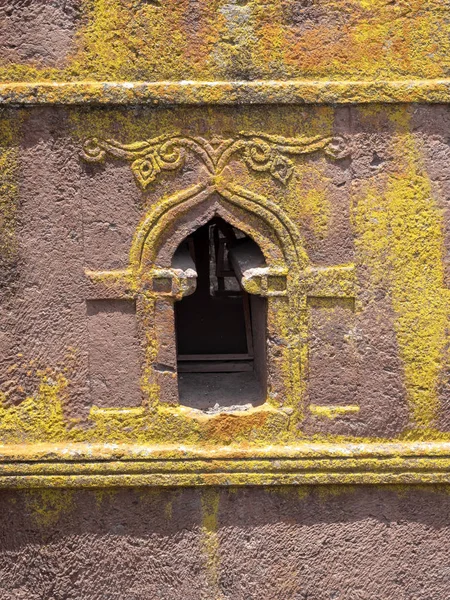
(433, 91)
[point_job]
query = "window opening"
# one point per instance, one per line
(220, 329)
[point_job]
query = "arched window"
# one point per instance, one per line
(220, 328)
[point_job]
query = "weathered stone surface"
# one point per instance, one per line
(319, 130)
(74, 217)
(40, 33)
(227, 39)
(351, 543)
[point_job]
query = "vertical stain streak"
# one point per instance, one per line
(400, 238)
(210, 540)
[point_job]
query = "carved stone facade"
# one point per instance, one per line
(287, 280)
(296, 152)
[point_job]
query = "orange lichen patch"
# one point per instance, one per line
(198, 27)
(231, 428)
(389, 40)
(271, 48)
(179, 40)
(316, 49)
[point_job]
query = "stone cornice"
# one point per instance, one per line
(98, 465)
(80, 93)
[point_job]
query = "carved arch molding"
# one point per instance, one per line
(286, 281)
(280, 455)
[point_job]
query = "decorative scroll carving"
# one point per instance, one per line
(260, 152)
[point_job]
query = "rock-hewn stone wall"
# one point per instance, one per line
(342, 181)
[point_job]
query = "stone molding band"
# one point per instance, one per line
(99, 465)
(432, 91)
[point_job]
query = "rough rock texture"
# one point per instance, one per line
(73, 216)
(152, 40)
(39, 32)
(293, 544)
(350, 206)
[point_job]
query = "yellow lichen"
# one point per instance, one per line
(394, 216)
(39, 417)
(397, 223)
(46, 506)
(418, 281)
(8, 202)
(307, 199)
(351, 39)
(10, 128)
(333, 412)
(210, 499)
(400, 239)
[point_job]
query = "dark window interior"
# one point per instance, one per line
(221, 330)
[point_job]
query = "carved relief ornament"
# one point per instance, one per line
(260, 152)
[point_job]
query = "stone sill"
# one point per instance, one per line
(81, 465)
(224, 92)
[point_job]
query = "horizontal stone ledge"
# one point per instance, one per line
(227, 478)
(108, 465)
(94, 451)
(78, 93)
